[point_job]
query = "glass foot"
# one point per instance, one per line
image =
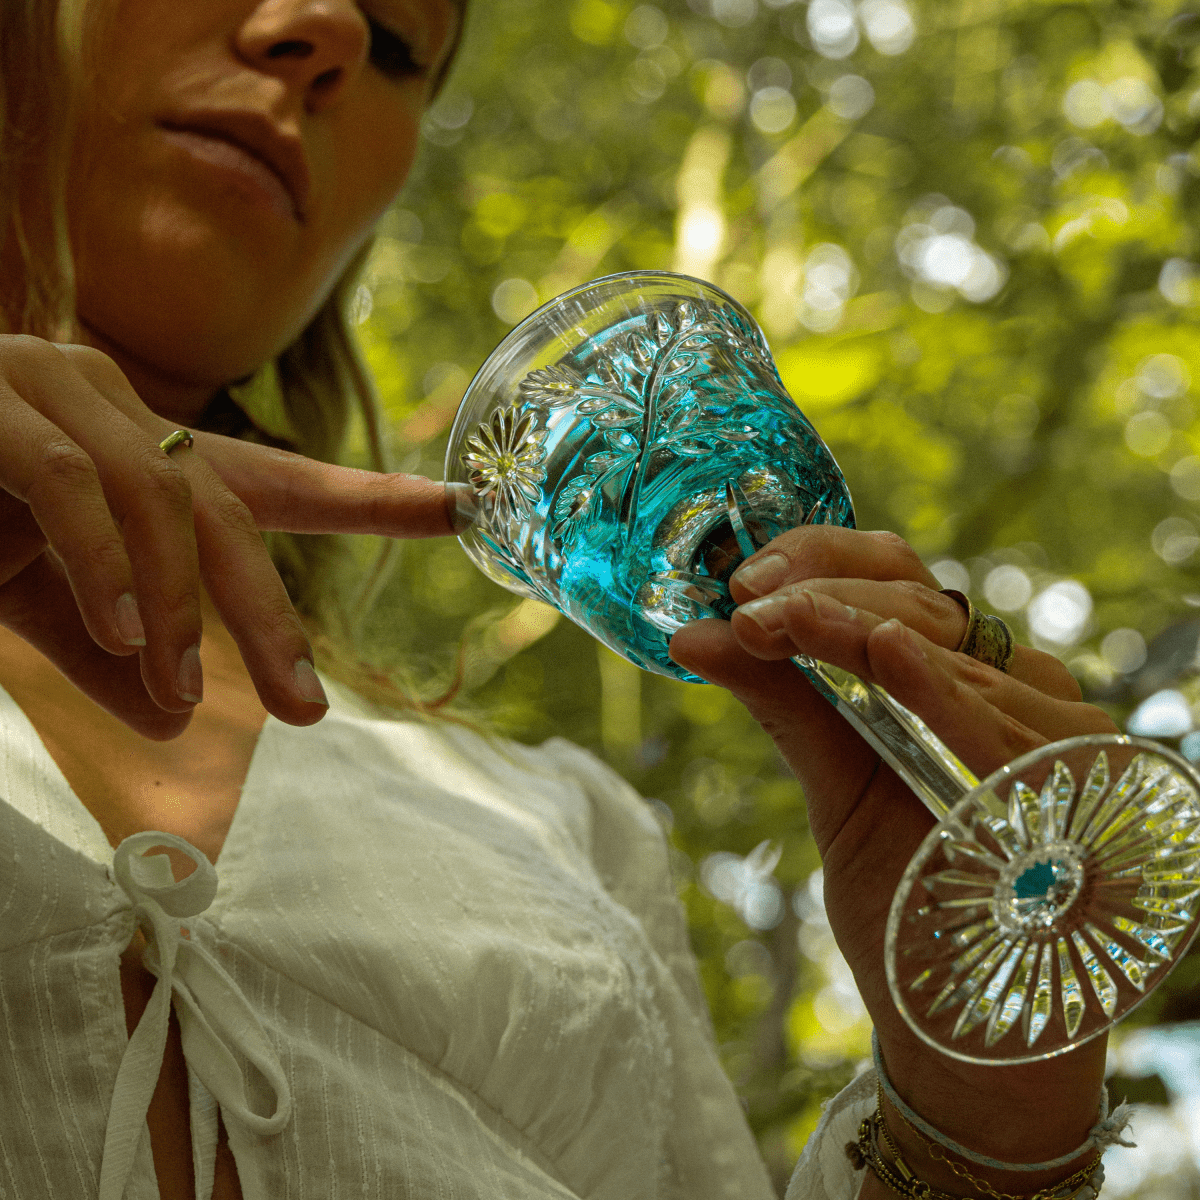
(1050, 901)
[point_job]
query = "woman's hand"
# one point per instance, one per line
(106, 540)
(865, 602)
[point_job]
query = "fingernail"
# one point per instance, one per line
(189, 682)
(762, 575)
(129, 621)
(832, 611)
(462, 504)
(308, 686)
(767, 613)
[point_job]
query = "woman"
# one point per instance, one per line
(425, 964)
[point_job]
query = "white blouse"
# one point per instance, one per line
(425, 965)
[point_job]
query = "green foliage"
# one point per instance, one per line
(972, 257)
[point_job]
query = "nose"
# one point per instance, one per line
(315, 46)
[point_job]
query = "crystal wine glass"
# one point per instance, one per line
(629, 444)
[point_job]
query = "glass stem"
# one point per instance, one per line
(900, 737)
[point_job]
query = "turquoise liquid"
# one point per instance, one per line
(646, 425)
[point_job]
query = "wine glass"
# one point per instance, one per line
(629, 444)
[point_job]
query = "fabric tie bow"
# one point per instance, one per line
(214, 1016)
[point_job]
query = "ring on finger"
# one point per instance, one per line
(181, 437)
(987, 639)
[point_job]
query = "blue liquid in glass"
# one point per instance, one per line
(645, 425)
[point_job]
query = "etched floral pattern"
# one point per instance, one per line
(504, 458)
(1053, 909)
(642, 400)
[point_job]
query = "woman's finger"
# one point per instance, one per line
(291, 493)
(986, 717)
(58, 485)
(141, 491)
(235, 566)
(831, 618)
(295, 494)
(828, 552)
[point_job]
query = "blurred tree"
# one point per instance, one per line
(967, 229)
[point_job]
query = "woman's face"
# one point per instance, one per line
(233, 157)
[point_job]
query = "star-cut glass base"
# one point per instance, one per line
(1049, 902)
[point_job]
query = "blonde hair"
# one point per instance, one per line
(322, 381)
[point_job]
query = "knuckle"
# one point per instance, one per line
(62, 466)
(94, 365)
(167, 486)
(229, 511)
(897, 548)
(24, 346)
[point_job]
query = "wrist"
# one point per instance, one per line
(1029, 1114)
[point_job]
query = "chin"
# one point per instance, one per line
(193, 301)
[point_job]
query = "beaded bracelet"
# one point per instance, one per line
(1106, 1132)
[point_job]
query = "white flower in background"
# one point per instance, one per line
(646, 27)
(1163, 376)
(1175, 540)
(940, 251)
(746, 883)
(830, 279)
(734, 13)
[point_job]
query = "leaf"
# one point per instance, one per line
(550, 387)
(691, 448)
(685, 315)
(643, 355)
(680, 362)
(617, 418)
(661, 327)
(594, 404)
(682, 416)
(735, 433)
(599, 463)
(621, 441)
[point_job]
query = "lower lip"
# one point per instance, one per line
(235, 162)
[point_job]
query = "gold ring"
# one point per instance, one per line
(988, 639)
(181, 437)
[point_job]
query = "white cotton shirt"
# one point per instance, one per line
(427, 965)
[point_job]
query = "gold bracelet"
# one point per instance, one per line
(896, 1177)
(1064, 1189)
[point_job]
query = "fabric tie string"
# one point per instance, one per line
(215, 1017)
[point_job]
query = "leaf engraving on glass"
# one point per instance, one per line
(644, 388)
